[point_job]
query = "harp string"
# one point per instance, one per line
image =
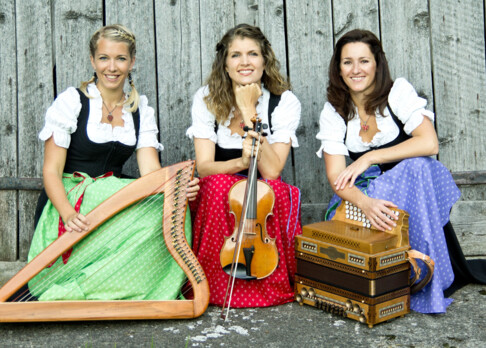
(124, 223)
(153, 198)
(52, 272)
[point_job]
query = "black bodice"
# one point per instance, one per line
(92, 158)
(402, 136)
(222, 154)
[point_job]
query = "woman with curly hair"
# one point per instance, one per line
(244, 82)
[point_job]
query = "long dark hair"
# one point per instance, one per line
(221, 98)
(338, 92)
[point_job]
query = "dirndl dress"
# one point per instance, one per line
(424, 188)
(212, 221)
(124, 259)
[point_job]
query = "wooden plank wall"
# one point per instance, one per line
(438, 45)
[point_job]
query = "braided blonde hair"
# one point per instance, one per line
(117, 33)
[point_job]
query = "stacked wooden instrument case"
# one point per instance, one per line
(346, 267)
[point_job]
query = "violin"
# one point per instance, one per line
(249, 253)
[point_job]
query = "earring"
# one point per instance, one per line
(95, 77)
(130, 81)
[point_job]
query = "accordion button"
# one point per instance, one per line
(311, 292)
(304, 292)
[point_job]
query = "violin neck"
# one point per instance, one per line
(252, 190)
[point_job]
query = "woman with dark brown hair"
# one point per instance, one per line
(244, 82)
(383, 126)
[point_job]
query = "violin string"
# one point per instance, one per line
(147, 203)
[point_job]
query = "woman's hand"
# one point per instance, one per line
(379, 213)
(349, 175)
(247, 145)
(76, 222)
(192, 189)
(246, 99)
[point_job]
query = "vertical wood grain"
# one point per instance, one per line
(349, 15)
(8, 130)
(35, 94)
(178, 73)
(74, 24)
(310, 45)
(458, 48)
(405, 35)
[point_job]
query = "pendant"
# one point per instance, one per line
(242, 124)
(110, 117)
(365, 127)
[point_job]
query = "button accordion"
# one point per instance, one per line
(347, 267)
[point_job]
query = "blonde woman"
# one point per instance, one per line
(89, 134)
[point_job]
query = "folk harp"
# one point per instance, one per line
(171, 180)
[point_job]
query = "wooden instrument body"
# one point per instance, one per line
(352, 305)
(172, 181)
(265, 257)
(347, 263)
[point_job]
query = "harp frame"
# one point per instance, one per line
(172, 180)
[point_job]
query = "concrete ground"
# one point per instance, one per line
(291, 325)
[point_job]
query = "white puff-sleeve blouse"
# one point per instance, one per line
(406, 105)
(285, 120)
(62, 117)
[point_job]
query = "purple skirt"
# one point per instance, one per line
(424, 188)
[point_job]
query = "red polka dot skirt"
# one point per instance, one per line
(212, 221)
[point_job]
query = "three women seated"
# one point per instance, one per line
(380, 123)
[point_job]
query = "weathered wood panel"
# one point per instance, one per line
(269, 16)
(178, 73)
(138, 16)
(348, 15)
(216, 17)
(439, 46)
(469, 219)
(8, 130)
(8, 91)
(9, 269)
(35, 93)
(408, 52)
(310, 45)
(458, 48)
(74, 24)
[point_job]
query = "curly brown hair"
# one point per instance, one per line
(221, 98)
(117, 33)
(338, 92)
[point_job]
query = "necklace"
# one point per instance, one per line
(364, 126)
(110, 113)
(242, 122)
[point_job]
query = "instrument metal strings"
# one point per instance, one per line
(143, 194)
